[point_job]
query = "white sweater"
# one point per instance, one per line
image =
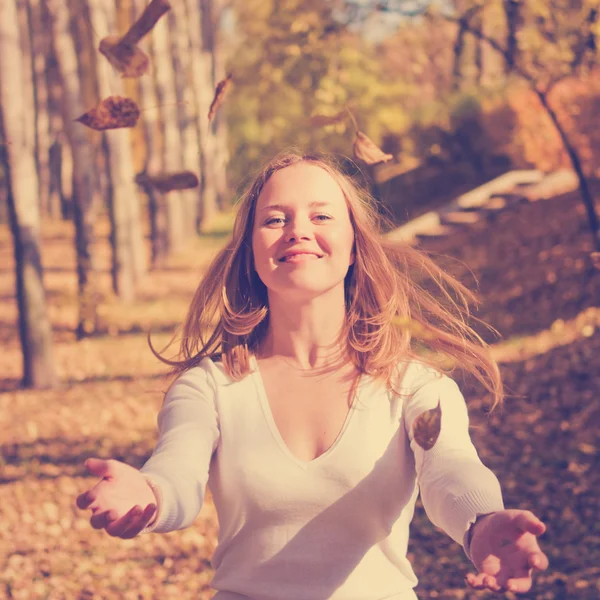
(334, 527)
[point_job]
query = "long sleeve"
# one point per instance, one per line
(455, 485)
(188, 434)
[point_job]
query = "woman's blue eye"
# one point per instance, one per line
(279, 220)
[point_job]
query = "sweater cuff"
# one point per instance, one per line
(165, 515)
(466, 509)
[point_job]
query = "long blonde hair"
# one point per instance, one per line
(391, 315)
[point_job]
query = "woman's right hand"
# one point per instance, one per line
(122, 502)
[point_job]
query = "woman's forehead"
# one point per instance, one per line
(300, 184)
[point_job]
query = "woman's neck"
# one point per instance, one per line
(306, 335)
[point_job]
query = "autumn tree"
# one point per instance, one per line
(295, 60)
(17, 154)
(557, 40)
(85, 192)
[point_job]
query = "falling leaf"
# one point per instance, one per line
(123, 53)
(323, 120)
(113, 112)
(220, 92)
(167, 182)
(367, 151)
(596, 259)
(128, 59)
(426, 428)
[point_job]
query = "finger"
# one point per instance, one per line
(490, 583)
(101, 520)
(538, 560)
(475, 581)
(98, 467)
(519, 585)
(140, 523)
(117, 528)
(85, 499)
(481, 581)
(527, 522)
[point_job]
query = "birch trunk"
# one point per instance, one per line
(186, 107)
(153, 162)
(126, 236)
(84, 190)
(19, 163)
(171, 140)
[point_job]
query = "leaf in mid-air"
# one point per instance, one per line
(113, 112)
(167, 182)
(220, 92)
(427, 426)
(123, 53)
(128, 59)
(368, 151)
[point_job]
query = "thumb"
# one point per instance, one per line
(98, 467)
(527, 522)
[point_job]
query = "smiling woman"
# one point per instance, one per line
(304, 407)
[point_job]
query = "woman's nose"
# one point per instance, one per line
(298, 229)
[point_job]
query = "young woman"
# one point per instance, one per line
(302, 405)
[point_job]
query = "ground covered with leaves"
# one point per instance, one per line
(538, 290)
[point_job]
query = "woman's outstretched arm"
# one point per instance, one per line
(457, 488)
(168, 491)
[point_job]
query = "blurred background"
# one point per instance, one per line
(117, 188)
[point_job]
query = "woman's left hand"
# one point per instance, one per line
(505, 550)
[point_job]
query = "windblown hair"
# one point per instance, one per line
(400, 304)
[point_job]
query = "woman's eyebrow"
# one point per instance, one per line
(315, 204)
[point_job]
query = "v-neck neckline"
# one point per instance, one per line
(278, 438)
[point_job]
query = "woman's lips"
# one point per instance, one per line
(295, 258)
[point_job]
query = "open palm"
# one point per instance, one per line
(122, 502)
(505, 550)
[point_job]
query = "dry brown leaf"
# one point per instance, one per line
(113, 112)
(323, 120)
(167, 182)
(596, 259)
(368, 151)
(123, 53)
(427, 426)
(220, 92)
(128, 59)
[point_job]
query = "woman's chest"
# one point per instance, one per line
(308, 414)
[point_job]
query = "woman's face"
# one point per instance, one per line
(302, 238)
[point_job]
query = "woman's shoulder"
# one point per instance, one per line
(414, 374)
(210, 369)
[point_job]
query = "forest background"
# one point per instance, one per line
(104, 234)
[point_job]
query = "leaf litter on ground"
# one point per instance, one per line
(538, 290)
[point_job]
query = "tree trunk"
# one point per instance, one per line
(457, 52)
(512, 10)
(84, 190)
(187, 109)
(40, 42)
(126, 232)
(152, 162)
(201, 82)
(19, 164)
(209, 150)
(586, 195)
(220, 123)
(59, 201)
(171, 140)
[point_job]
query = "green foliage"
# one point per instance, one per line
(291, 61)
